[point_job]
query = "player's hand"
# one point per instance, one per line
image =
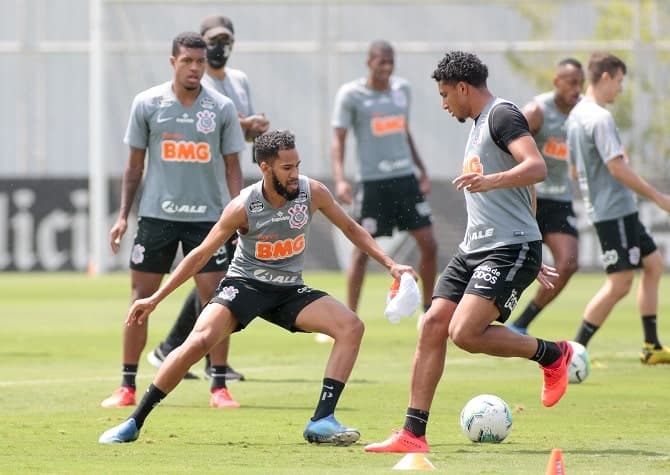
(116, 233)
(472, 182)
(255, 125)
(397, 270)
(139, 311)
(546, 276)
(424, 184)
(343, 192)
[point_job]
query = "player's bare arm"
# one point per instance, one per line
(234, 217)
(624, 174)
(323, 201)
(342, 187)
(530, 169)
(233, 174)
(533, 114)
(424, 182)
(132, 178)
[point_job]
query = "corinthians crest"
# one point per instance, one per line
(299, 216)
(206, 122)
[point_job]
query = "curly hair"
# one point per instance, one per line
(188, 39)
(268, 145)
(457, 66)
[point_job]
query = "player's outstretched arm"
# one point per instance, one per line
(323, 200)
(625, 175)
(233, 217)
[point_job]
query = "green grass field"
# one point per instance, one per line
(60, 356)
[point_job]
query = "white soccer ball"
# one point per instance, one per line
(580, 365)
(486, 418)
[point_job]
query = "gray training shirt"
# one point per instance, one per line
(551, 141)
(273, 249)
(504, 216)
(185, 145)
(235, 86)
(379, 120)
(594, 140)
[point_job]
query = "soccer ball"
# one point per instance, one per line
(580, 365)
(486, 418)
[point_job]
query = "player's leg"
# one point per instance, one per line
(619, 241)
(412, 213)
(153, 251)
(330, 317)
(180, 329)
(429, 361)
(425, 240)
(653, 352)
(215, 323)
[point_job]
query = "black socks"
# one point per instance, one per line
(330, 394)
(416, 421)
(150, 400)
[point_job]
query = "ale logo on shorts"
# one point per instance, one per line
(137, 256)
(634, 255)
(206, 122)
(228, 293)
(298, 216)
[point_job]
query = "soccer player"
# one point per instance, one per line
(499, 257)
(609, 186)
(183, 129)
(272, 219)
(389, 195)
(219, 34)
(546, 115)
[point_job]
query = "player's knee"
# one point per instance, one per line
(434, 329)
(567, 268)
(356, 329)
(465, 338)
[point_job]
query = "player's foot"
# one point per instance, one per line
(651, 355)
(221, 399)
(156, 358)
(124, 396)
(328, 430)
(515, 329)
(231, 374)
(127, 431)
(556, 376)
(400, 442)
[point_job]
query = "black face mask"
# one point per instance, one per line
(218, 53)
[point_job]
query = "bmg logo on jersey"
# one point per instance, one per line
(281, 249)
(486, 273)
(185, 151)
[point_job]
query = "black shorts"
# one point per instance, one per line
(624, 242)
(278, 304)
(500, 275)
(381, 205)
(556, 217)
(156, 243)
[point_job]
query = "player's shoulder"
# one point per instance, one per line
(398, 82)
(215, 98)
(587, 110)
(155, 95)
(237, 75)
(349, 88)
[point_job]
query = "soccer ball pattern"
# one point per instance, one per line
(486, 418)
(580, 365)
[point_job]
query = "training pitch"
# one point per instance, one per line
(60, 356)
